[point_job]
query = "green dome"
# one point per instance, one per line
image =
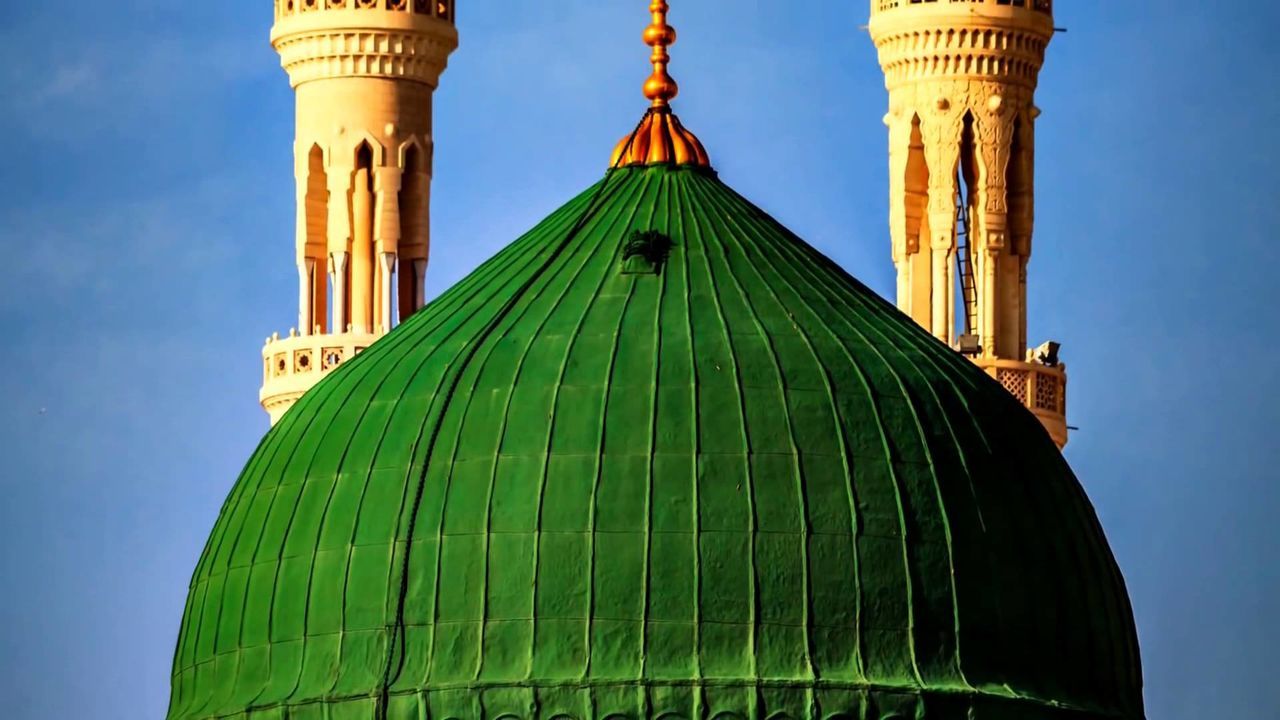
(603, 478)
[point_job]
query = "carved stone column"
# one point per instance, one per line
(306, 270)
(419, 284)
(339, 242)
(338, 273)
(362, 253)
(387, 268)
(941, 130)
(304, 262)
(387, 233)
(899, 155)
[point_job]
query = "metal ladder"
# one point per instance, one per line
(964, 263)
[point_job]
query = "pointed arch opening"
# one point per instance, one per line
(414, 222)
(1021, 197)
(317, 239)
(362, 278)
(967, 217)
(915, 285)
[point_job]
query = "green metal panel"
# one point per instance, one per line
(728, 483)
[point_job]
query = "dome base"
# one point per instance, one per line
(710, 699)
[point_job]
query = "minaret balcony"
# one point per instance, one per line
(442, 9)
(892, 16)
(1041, 388)
(320, 39)
(999, 8)
(293, 365)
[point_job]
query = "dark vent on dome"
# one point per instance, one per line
(645, 252)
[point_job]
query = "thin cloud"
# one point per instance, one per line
(83, 252)
(119, 82)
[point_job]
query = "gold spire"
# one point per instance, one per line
(660, 139)
(660, 87)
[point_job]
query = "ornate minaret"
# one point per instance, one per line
(961, 76)
(363, 72)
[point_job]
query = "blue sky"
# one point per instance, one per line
(146, 224)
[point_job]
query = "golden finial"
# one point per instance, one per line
(660, 87)
(660, 139)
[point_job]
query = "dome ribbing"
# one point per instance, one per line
(674, 464)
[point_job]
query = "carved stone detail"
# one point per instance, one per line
(348, 53)
(941, 130)
(899, 158)
(993, 130)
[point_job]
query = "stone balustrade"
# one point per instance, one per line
(927, 40)
(1041, 388)
(292, 365)
(1041, 6)
(442, 9)
(392, 39)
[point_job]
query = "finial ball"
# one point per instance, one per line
(661, 88)
(656, 35)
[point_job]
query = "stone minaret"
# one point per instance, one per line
(363, 72)
(961, 76)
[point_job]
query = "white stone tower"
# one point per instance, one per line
(962, 76)
(363, 72)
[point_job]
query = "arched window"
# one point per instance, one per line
(1021, 197)
(317, 234)
(966, 299)
(916, 203)
(363, 278)
(414, 241)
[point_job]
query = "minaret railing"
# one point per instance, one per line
(1043, 6)
(442, 9)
